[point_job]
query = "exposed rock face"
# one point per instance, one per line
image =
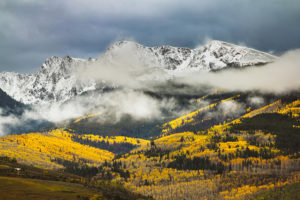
(56, 80)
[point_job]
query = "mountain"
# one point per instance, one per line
(10, 106)
(245, 156)
(14, 118)
(56, 80)
(214, 55)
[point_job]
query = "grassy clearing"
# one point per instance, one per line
(288, 192)
(23, 189)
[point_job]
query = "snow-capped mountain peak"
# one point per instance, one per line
(56, 80)
(217, 55)
(214, 55)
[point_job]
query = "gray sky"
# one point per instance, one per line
(32, 30)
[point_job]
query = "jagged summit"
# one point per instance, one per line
(55, 81)
(227, 55)
(214, 55)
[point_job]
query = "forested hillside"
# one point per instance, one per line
(244, 157)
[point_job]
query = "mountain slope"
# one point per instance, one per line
(227, 161)
(38, 183)
(187, 165)
(56, 81)
(9, 106)
(45, 150)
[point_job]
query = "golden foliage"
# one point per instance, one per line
(86, 117)
(116, 139)
(188, 118)
(40, 148)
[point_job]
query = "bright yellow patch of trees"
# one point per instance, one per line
(40, 149)
(116, 139)
(292, 108)
(188, 118)
(86, 117)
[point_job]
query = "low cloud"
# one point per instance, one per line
(125, 67)
(128, 102)
(112, 106)
(225, 110)
(281, 76)
(256, 100)
(17, 123)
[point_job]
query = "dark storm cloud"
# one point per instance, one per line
(32, 30)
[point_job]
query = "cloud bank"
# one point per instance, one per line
(281, 76)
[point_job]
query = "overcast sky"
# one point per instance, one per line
(32, 30)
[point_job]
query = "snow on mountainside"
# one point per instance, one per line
(214, 55)
(56, 80)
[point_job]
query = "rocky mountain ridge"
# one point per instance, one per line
(56, 80)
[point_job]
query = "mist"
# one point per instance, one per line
(112, 106)
(279, 77)
(256, 100)
(125, 67)
(28, 121)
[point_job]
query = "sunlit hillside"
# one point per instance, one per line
(186, 165)
(240, 158)
(226, 161)
(189, 118)
(41, 149)
(19, 181)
